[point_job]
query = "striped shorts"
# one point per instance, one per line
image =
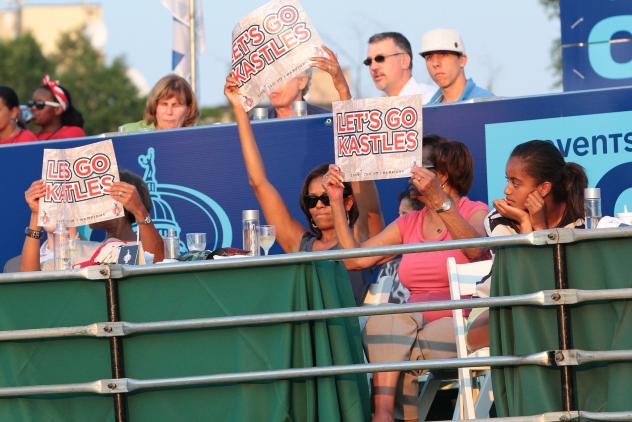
(404, 337)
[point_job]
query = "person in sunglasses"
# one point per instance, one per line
(53, 111)
(442, 185)
(444, 53)
(10, 130)
(361, 206)
(390, 62)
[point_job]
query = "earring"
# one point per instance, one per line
(314, 226)
(443, 186)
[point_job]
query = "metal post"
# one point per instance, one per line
(564, 328)
(116, 349)
(193, 45)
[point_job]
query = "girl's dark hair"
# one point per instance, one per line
(9, 97)
(544, 162)
(71, 116)
(321, 170)
(415, 203)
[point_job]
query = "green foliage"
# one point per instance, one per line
(102, 92)
(23, 65)
(553, 9)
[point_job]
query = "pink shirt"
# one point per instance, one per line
(64, 132)
(425, 274)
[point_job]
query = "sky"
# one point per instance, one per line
(508, 42)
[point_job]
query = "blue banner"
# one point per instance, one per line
(198, 182)
(596, 43)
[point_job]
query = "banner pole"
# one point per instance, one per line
(193, 45)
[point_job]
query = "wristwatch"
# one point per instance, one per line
(147, 220)
(446, 206)
(34, 234)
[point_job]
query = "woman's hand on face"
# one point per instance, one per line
(333, 183)
(429, 187)
(330, 65)
(231, 91)
(128, 196)
(537, 210)
(33, 195)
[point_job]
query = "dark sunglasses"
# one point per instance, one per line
(379, 58)
(40, 104)
(312, 200)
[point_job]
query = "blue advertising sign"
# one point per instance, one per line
(198, 182)
(596, 43)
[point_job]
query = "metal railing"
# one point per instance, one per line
(114, 329)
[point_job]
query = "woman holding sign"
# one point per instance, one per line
(131, 192)
(442, 185)
(363, 216)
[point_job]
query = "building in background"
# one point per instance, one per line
(46, 22)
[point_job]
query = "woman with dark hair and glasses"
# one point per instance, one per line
(362, 212)
(54, 113)
(442, 185)
(10, 130)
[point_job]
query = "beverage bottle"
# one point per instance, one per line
(61, 247)
(592, 207)
(250, 231)
(172, 245)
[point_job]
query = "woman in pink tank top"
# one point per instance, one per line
(441, 184)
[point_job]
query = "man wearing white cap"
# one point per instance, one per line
(444, 52)
(390, 62)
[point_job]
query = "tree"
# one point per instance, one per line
(23, 65)
(553, 10)
(103, 93)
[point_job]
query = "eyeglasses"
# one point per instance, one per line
(40, 104)
(312, 200)
(379, 58)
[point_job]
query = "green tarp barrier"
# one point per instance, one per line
(591, 265)
(187, 295)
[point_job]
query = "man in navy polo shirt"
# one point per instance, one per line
(444, 52)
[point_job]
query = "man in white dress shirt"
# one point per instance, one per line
(390, 61)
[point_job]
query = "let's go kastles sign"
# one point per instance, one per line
(378, 138)
(78, 182)
(270, 46)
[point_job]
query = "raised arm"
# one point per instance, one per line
(389, 236)
(288, 230)
(330, 65)
(30, 260)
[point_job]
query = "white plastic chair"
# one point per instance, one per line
(463, 279)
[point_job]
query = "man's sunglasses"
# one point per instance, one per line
(40, 104)
(379, 58)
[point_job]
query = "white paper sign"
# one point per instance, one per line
(77, 183)
(378, 138)
(270, 46)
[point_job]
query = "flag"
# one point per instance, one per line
(181, 51)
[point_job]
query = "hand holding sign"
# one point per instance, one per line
(128, 196)
(331, 66)
(333, 183)
(428, 186)
(33, 194)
